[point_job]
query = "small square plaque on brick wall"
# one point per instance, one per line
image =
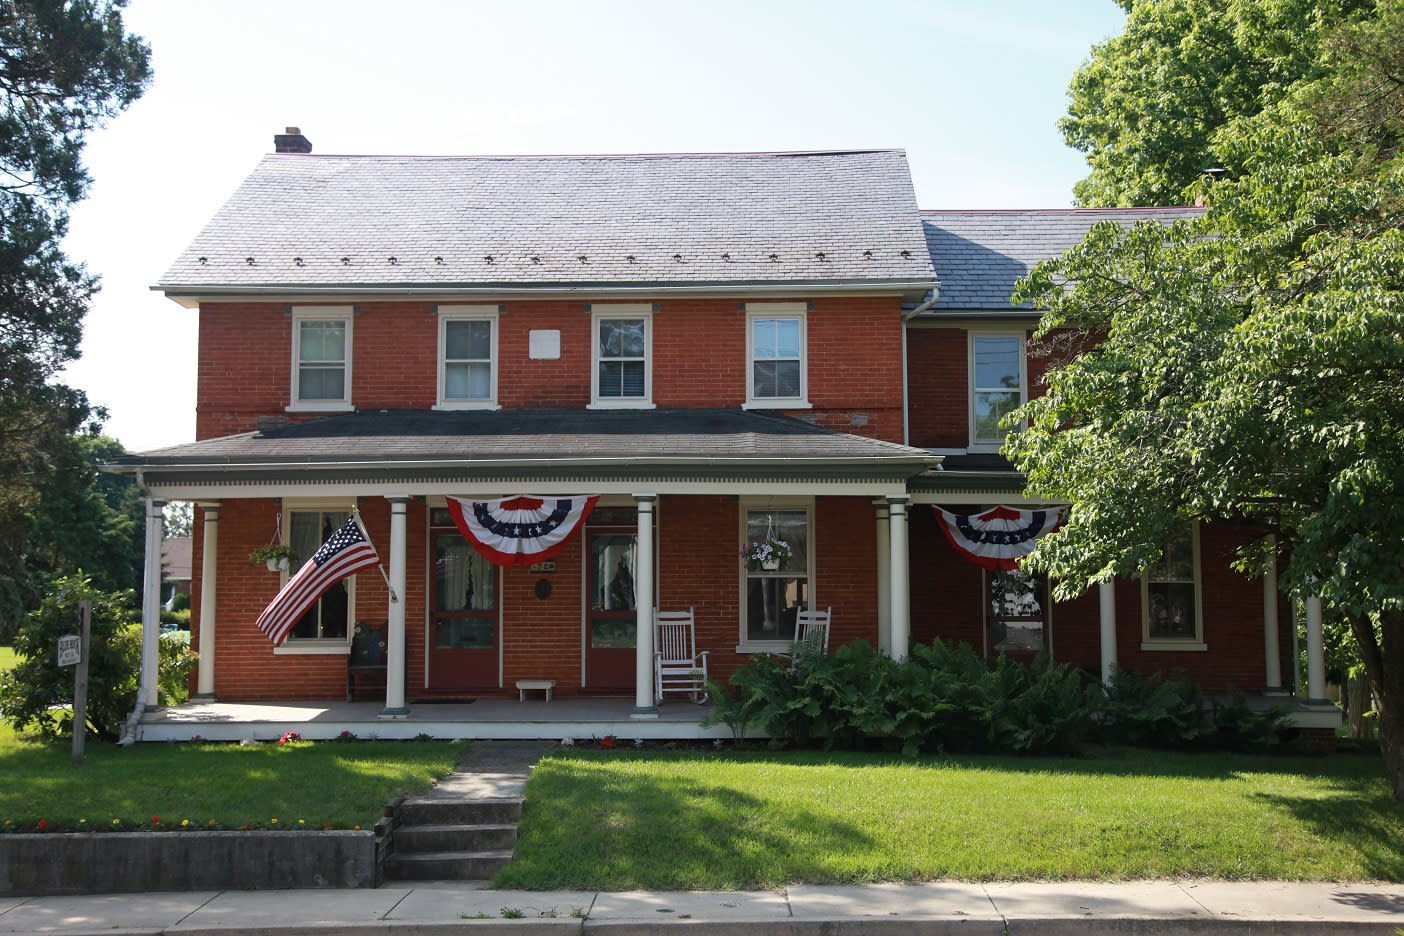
(544, 344)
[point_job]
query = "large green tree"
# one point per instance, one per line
(65, 68)
(1251, 367)
(1146, 104)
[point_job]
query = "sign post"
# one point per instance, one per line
(69, 654)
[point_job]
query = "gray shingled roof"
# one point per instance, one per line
(978, 255)
(336, 221)
(702, 436)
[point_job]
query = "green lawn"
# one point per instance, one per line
(340, 784)
(7, 658)
(622, 820)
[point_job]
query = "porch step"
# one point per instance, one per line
(445, 865)
(425, 838)
(466, 812)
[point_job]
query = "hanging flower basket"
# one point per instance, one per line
(767, 556)
(275, 555)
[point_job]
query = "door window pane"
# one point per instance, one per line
(463, 580)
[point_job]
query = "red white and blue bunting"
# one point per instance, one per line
(999, 537)
(520, 530)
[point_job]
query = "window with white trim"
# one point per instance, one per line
(467, 357)
(998, 385)
(774, 592)
(623, 342)
(1171, 608)
(321, 358)
(329, 620)
(775, 355)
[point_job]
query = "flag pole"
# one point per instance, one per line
(356, 512)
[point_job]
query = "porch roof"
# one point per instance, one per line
(542, 445)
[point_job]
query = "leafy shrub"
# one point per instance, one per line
(1240, 728)
(1151, 711)
(179, 620)
(943, 697)
(36, 695)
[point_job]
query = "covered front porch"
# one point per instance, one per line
(575, 718)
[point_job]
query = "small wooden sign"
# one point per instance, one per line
(70, 650)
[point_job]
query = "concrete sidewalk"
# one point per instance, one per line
(1049, 909)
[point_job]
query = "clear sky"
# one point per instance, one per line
(971, 89)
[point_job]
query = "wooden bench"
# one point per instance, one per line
(545, 685)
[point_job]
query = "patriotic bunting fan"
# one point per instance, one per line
(999, 537)
(520, 530)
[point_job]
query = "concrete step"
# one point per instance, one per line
(497, 810)
(449, 837)
(446, 865)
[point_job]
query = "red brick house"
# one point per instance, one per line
(718, 347)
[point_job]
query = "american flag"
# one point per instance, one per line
(346, 553)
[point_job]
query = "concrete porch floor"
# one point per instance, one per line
(486, 718)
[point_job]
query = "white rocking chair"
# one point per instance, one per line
(812, 633)
(677, 666)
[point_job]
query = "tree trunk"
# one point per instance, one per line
(1357, 705)
(1384, 665)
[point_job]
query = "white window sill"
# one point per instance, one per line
(621, 404)
(1182, 646)
(331, 407)
(985, 448)
(307, 647)
(768, 646)
(466, 405)
(777, 404)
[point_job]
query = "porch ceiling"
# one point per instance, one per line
(411, 450)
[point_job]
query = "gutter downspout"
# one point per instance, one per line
(926, 303)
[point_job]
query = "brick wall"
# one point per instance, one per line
(699, 360)
(938, 387)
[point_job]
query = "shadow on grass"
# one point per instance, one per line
(1373, 825)
(585, 828)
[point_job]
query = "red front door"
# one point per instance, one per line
(611, 619)
(464, 637)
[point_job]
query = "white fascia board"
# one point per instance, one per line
(564, 486)
(191, 296)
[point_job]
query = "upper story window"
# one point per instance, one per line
(321, 358)
(623, 345)
(467, 357)
(998, 385)
(777, 373)
(1171, 615)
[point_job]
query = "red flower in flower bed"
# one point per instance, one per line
(607, 741)
(155, 820)
(43, 824)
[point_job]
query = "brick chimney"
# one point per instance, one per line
(291, 140)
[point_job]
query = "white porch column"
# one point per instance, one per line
(1272, 662)
(900, 587)
(884, 575)
(1316, 655)
(1106, 606)
(395, 639)
(645, 705)
(204, 683)
(151, 602)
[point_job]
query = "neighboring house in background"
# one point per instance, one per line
(175, 568)
(720, 347)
